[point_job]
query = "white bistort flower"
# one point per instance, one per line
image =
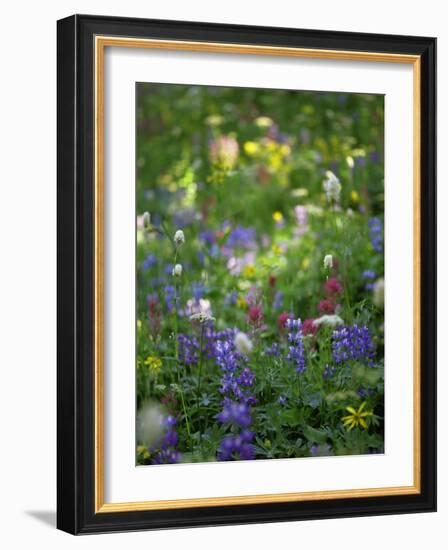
(243, 343)
(332, 187)
(328, 320)
(179, 237)
(328, 261)
(378, 293)
(150, 423)
(146, 220)
(177, 270)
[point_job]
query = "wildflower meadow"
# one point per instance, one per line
(260, 274)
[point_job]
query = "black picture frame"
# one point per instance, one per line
(76, 265)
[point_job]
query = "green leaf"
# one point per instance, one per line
(315, 436)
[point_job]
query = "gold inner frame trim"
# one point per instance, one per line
(101, 42)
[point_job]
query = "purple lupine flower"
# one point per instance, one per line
(197, 290)
(242, 237)
(365, 392)
(188, 349)
(169, 293)
(167, 456)
(149, 261)
(236, 381)
(237, 446)
(282, 400)
(165, 451)
(246, 378)
(296, 352)
(375, 157)
(208, 237)
(273, 350)
(352, 343)
(329, 371)
(278, 300)
(376, 234)
(237, 414)
(370, 277)
(231, 298)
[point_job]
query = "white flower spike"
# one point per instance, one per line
(177, 270)
(179, 237)
(243, 343)
(146, 220)
(328, 262)
(378, 293)
(332, 187)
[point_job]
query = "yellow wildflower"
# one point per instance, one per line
(356, 417)
(354, 196)
(251, 148)
(276, 249)
(306, 263)
(142, 451)
(277, 216)
(285, 149)
(154, 363)
(241, 302)
(249, 271)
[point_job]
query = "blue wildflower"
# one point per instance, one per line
(188, 349)
(370, 277)
(282, 400)
(296, 352)
(352, 343)
(273, 350)
(149, 261)
(278, 300)
(198, 290)
(376, 234)
(169, 292)
(165, 451)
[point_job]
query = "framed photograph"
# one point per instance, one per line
(246, 274)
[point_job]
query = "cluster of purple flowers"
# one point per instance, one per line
(188, 349)
(296, 353)
(169, 294)
(236, 379)
(242, 237)
(237, 446)
(369, 276)
(165, 451)
(237, 414)
(352, 342)
(376, 234)
(236, 383)
(278, 300)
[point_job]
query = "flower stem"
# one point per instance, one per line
(201, 355)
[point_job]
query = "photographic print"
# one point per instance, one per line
(232, 201)
(260, 274)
